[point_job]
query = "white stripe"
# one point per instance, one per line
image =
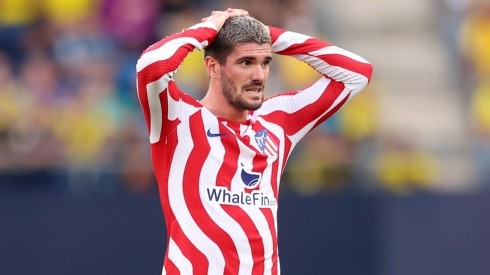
(293, 103)
(270, 151)
(167, 50)
(178, 204)
(271, 146)
(153, 91)
(204, 25)
(257, 217)
(340, 51)
(353, 81)
(177, 257)
(175, 109)
(286, 39)
(255, 214)
(279, 133)
(215, 211)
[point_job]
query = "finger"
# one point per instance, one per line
(232, 9)
(239, 11)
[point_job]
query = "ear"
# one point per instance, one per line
(212, 66)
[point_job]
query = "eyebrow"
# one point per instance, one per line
(250, 57)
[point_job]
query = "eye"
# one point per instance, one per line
(266, 63)
(246, 62)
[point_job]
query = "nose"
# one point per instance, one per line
(259, 73)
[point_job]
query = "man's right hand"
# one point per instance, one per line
(218, 18)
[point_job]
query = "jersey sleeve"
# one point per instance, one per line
(344, 75)
(159, 96)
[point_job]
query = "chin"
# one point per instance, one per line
(248, 104)
(253, 107)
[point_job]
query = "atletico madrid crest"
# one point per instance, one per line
(266, 143)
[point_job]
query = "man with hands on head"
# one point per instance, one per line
(219, 160)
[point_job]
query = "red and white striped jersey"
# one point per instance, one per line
(219, 180)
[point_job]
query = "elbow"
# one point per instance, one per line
(361, 80)
(369, 72)
(364, 78)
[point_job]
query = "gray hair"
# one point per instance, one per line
(236, 30)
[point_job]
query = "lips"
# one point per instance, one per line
(254, 89)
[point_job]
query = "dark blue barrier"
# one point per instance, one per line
(435, 234)
(62, 234)
(328, 234)
(57, 232)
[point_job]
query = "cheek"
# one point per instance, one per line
(266, 73)
(238, 79)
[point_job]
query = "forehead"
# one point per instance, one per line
(251, 50)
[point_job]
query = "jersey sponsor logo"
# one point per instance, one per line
(250, 179)
(222, 195)
(209, 134)
(265, 143)
(257, 198)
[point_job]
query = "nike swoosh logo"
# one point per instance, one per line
(215, 134)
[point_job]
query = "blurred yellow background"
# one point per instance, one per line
(68, 102)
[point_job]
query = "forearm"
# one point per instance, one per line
(331, 61)
(155, 70)
(165, 56)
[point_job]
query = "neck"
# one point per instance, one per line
(219, 106)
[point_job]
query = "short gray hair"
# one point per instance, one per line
(236, 30)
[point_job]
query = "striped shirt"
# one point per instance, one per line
(219, 180)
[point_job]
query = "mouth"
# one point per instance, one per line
(254, 90)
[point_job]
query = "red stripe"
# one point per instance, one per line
(275, 140)
(275, 33)
(348, 63)
(270, 217)
(333, 111)
(162, 154)
(271, 147)
(171, 268)
(274, 184)
(314, 44)
(271, 138)
(287, 150)
(230, 159)
(299, 119)
(191, 191)
(253, 235)
(224, 178)
(310, 45)
(159, 68)
(160, 164)
(260, 164)
(272, 228)
(200, 263)
(143, 98)
(201, 34)
(165, 151)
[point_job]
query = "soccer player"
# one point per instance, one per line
(219, 160)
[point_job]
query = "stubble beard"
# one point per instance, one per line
(234, 98)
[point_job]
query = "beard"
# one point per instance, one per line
(235, 98)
